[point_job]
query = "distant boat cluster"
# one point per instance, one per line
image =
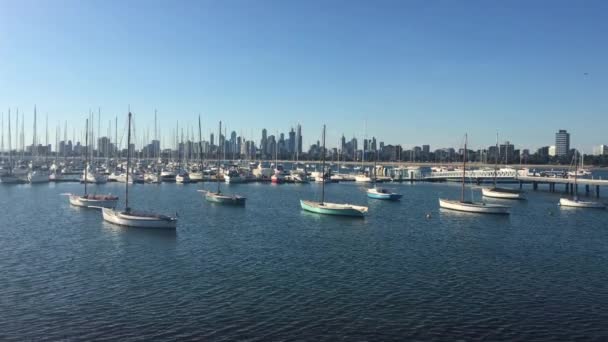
(182, 171)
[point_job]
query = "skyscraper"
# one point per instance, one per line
(291, 147)
(264, 142)
(299, 139)
(562, 143)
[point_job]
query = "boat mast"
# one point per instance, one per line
(86, 157)
(10, 149)
(128, 164)
(575, 175)
(464, 168)
(323, 168)
(200, 146)
(496, 160)
(217, 172)
(375, 172)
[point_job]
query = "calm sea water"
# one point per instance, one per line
(271, 272)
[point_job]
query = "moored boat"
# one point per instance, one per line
(334, 208)
(218, 196)
(87, 200)
(326, 208)
(132, 218)
(575, 203)
(94, 201)
(474, 207)
(502, 193)
(470, 206)
(381, 193)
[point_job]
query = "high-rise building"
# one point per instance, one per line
(562, 143)
(507, 152)
(291, 146)
(299, 139)
(264, 142)
(601, 150)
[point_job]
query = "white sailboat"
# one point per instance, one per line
(87, 200)
(9, 177)
(470, 206)
(38, 174)
(381, 193)
(495, 191)
(131, 218)
(218, 196)
(327, 208)
(575, 202)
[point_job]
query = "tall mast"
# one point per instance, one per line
(65, 140)
(496, 160)
(375, 172)
(575, 174)
(155, 136)
(34, 145)
(116, 138)
(46, 138)
(86, 162)
(217, 172)
(323, 169)
(10, 149)
(17, 132)
(464, 168)
(98, 129)
(200, 146)
(2, 145)
(128, 165)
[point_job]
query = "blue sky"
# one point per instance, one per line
(418, 72)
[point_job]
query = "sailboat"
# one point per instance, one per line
(495, 191)
(380, 193)
(331, 208)
(9, 177)
(469, 206)
(87, 200)
(198, 175)
(218, 196)
(131, 218)
(575, 202)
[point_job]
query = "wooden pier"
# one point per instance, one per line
(568, 183)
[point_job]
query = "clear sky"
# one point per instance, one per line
(418, 72)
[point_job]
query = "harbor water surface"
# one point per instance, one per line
(271, 272)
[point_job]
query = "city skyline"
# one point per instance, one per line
(279, 145)
(414, 73)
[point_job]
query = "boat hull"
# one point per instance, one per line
(127, 220)
(334, 209)
(477, 208)
(496, 193)
(10, 179)
(224, 199)
(363, 179)
(581, 204)
(389, 196)
(80, 201)
(36, 178)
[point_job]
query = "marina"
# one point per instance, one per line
(286, 171)
(405, 264)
